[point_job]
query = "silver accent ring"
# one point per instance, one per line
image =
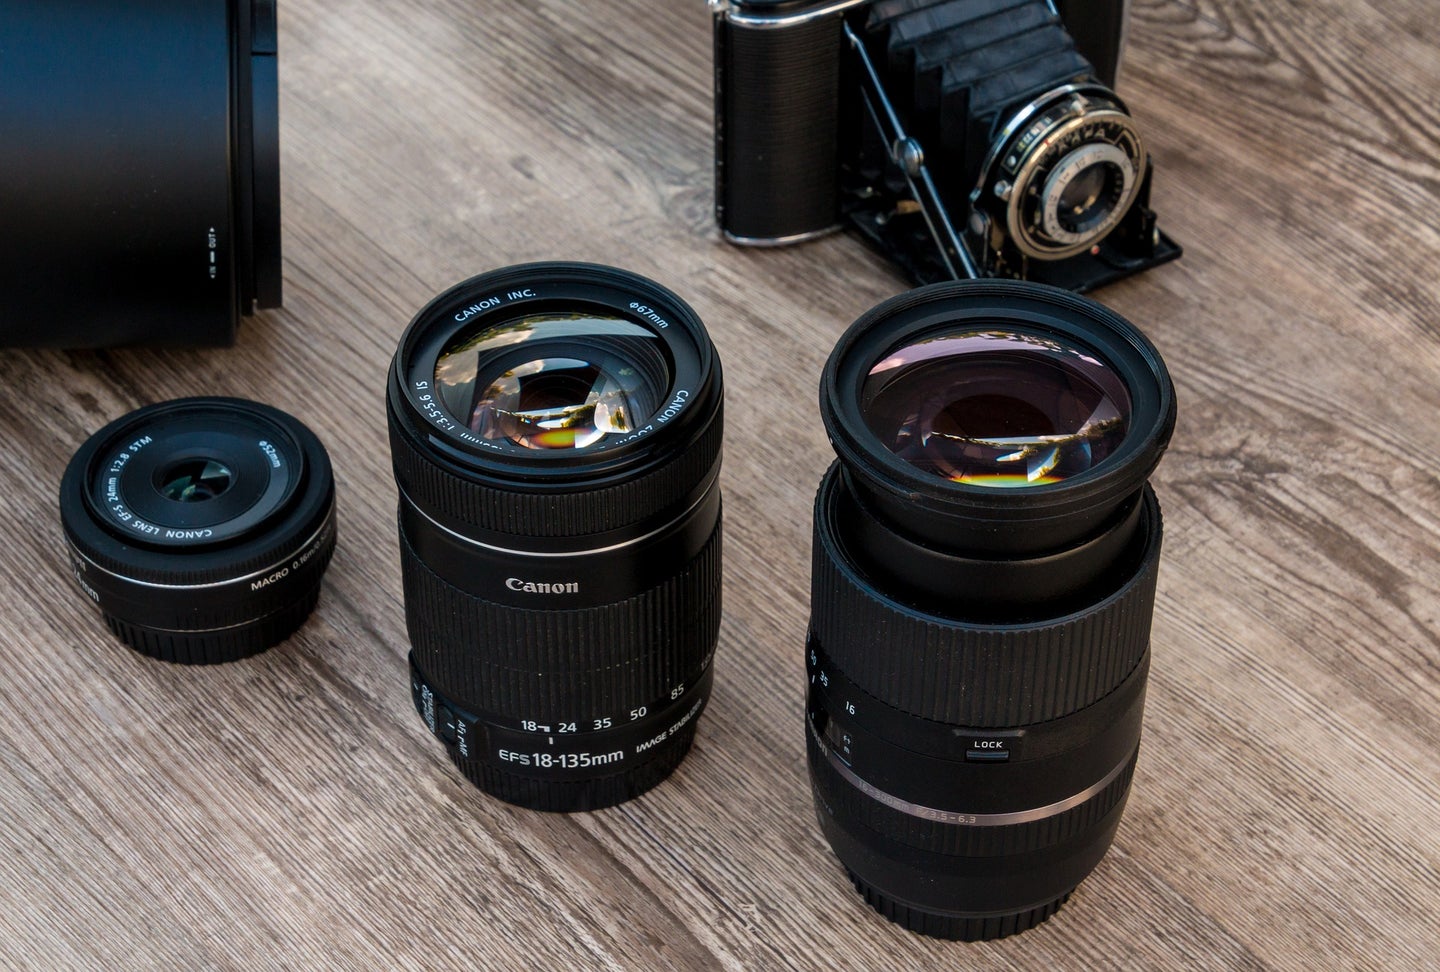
(731, 11)
(790, 240)
(966, 819)
(262, 572)
(1065, 172)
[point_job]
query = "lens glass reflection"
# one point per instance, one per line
(997, 408)
(1089, 197)
(553, 381)
(194, 480)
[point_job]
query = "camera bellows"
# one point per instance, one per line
(962, 138)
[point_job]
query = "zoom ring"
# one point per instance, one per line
(565, 664)
(643, 751)
(998, 676)
(577, 513)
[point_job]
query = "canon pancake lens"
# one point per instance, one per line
(985, 558)
(139, 170)
(201, 527)
(555, 430)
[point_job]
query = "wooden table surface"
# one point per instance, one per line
(291, 810)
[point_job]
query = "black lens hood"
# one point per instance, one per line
(139, 171)
(984, 520)
(536, 499)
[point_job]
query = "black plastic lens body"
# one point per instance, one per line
(555, 430)
(979, 636)
(201, 527)
(139, 171)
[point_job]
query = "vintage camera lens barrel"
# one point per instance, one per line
(777, 127)
(555, 430)
(139, 172)
(979, 638)
(201, 527)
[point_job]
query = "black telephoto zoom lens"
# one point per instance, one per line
(139, 171)
(201, 527)
(986, 549)
(555, 430)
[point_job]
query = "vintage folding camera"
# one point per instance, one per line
(963, 138)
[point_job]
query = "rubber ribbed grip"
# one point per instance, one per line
(505, 659)
(958, 929)
(776, 128)
(855, 807)
(999, 676)
(216, 647)
(571, 513)
(571, 796)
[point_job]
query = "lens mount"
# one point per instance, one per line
(1046, 352)
(1064, 171)
(201, 527)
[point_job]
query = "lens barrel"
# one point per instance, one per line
(979, 637)
(201, 527)
(555, 430)
(139, 171)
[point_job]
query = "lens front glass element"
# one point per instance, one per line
(996, 408)
(1090, 197)
(554, 381)
(194, 480)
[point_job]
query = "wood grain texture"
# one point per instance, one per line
(290, 810)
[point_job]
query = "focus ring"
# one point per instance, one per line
(577, 513)
(563, 663)
(997, 676)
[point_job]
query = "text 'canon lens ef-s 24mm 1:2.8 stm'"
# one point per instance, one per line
(986, 550)
(555, 430)
(139, 170)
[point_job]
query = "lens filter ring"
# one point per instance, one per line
(201, 527)
(1057, 386)
(484, 371)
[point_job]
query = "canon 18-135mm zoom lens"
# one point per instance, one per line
(985, 560)
(555, 430)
